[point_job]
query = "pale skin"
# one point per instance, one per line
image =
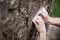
(40, 25)
(40, 19)
(50, 20)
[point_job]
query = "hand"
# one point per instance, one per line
(39, 23)
(44, 14)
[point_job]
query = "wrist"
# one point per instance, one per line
(49, 19)
(42, 29)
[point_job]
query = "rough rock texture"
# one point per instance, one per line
(16, 16)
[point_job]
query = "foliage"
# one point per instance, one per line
(56, 8)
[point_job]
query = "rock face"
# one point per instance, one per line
(16, 16)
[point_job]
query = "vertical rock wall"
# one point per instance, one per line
(16, 16)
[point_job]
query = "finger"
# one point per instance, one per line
(37, 19)
(34, 21)
(44, 10)
(41, 16)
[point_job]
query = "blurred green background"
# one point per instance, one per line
(56, 8)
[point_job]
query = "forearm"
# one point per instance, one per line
(42, 34)
(54, 21)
